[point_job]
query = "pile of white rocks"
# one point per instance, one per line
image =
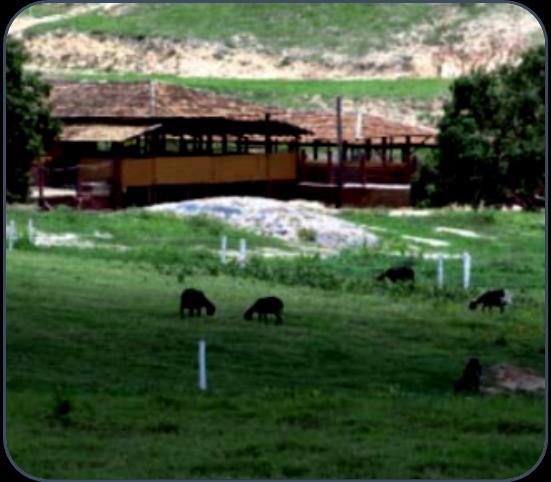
(294, 221)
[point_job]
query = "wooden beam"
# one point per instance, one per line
(338, 202)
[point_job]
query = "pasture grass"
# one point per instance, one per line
(102, 373)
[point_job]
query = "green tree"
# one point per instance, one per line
(30, 128)
(492, 138)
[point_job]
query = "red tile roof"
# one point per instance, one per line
(323, 124)
(102, 132)
(157, 99)
(144, 99)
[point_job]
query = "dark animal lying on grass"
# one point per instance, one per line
(265, 306)
(194, 301)
(470, 380)
(398, 273)
(499, 298)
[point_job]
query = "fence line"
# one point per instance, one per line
(462, 271)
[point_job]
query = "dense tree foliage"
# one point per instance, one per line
(491, 140)
(29, 126)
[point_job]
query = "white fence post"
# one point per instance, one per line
(202, 366)
(30, 231)
(223, 247)
(12, 234)
(440, 271)
(466, 270)
(242, 251)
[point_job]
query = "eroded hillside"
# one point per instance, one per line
(299, 42)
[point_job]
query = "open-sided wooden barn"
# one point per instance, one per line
(378, 157)
(143, 142)
(135, 143)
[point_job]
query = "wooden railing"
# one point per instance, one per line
(361, 173)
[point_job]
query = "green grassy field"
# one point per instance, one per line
(355, 384)
(45, 9)
(348, 29)
(292, 93)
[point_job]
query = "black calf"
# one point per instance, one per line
(499, 298)
(470, 380)
(265, 306)
(194, 301)
(398, 273)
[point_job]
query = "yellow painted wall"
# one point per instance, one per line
(282, 166)
(138, 172)
(205, 169)
(184, 170)
(251, 167)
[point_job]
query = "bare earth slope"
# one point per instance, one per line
(95, 37)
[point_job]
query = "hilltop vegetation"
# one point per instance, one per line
(101, 379)
(348, 29)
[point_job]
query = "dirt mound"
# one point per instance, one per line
(504, 378)
(292, 221)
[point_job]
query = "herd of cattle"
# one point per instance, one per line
(194, 301)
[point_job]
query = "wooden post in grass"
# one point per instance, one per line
(30, 231)
(223, 247)
(440, 270)
(242, 251)
(12, 235)
(466, 270)
(202, 366)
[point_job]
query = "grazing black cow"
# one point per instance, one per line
(470, 380)
(499, 298)
(265, 306)
(398, 273)
(194, 301)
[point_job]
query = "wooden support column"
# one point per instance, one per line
(116, 184)
(340, 160)
(362, 168)
(209, 144)
(40, 182)
(347, 156)
(315, 147)
(329, 165)
(368, 149)
(406, 153)
(345, 151)
(224, 144)
(302, 164)
(267, 138)
(383, 151)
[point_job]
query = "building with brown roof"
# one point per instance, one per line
(144, 142)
